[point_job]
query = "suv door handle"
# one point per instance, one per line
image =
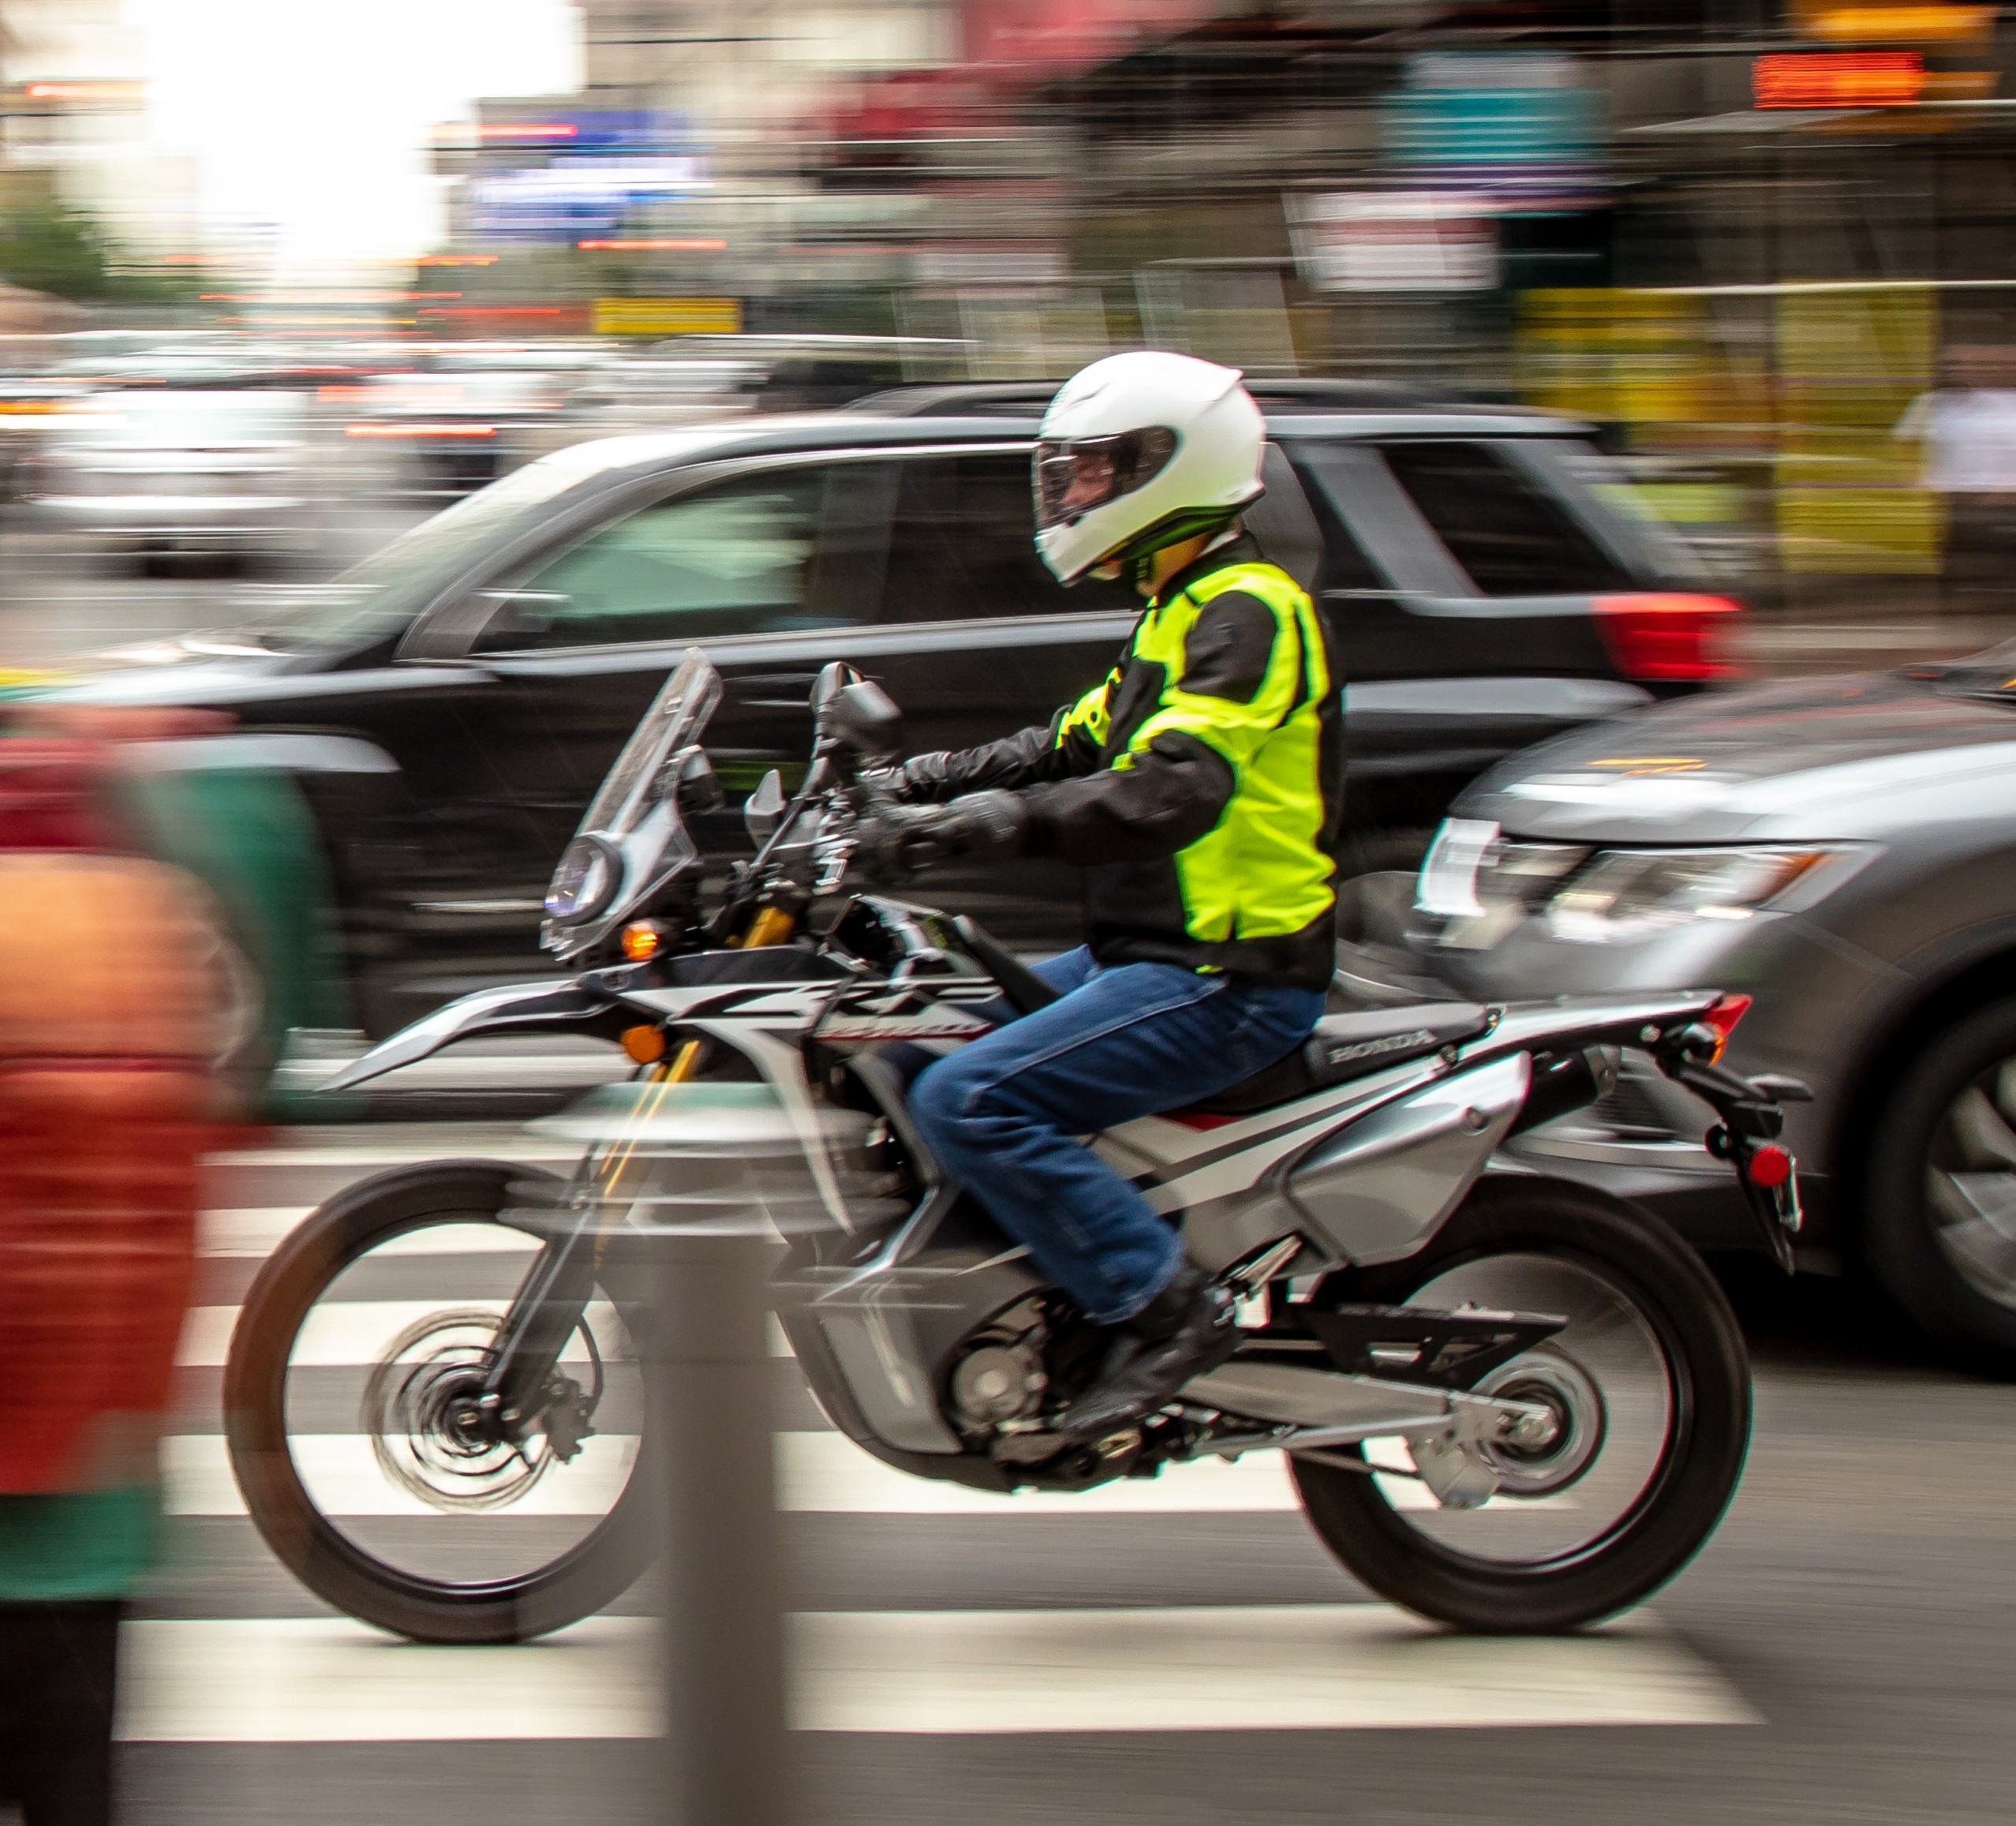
(775, 691)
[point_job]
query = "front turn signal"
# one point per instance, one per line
(646, 1045)
(641, 940)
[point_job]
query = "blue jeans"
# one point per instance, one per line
(1002, 1114)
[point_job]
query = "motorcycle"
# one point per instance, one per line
(1506, 1402)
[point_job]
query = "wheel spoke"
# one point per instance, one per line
(1985, 1138)
(1608, 1375)
(382, 1399)
(1975, 1215)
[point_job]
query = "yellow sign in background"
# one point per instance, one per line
(667, 316)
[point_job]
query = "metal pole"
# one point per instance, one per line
(726, 1757)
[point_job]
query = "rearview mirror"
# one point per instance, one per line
(864, 717)
(689, 778)
(764, 810)
(833, 679)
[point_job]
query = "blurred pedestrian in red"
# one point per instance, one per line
(110, 993)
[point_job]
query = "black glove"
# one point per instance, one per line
(896, 844)
(918, 781)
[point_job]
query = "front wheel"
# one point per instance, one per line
(1648, 1386)
(357, 1362)
(1938, 1200)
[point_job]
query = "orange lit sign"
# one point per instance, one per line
(457, 259)
(1839, 79)
(1908, 24)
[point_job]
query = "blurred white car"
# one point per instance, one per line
(221, 472)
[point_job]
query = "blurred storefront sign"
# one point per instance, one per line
(1928, 22)
(667, 316)
(1395, 240)
(1051, 37)
(569, 198)
(1838, 78)
(1850, 360)
(1520, 125)
(564, 174)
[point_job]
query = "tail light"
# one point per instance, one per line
(1667, 638)
(452, 429)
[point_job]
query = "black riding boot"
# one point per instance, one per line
(1184, 1330)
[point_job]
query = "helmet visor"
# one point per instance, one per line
(1075, 476)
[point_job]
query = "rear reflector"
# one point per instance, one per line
(1723, 1017)
(1667, 638)
(1770, 1165)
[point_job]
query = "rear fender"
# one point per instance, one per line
(521, 1008)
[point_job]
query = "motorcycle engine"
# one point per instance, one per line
(997, 1380)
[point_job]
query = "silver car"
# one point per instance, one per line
(1840, 850)
(220, 472)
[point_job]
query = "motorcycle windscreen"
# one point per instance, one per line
(633, 841)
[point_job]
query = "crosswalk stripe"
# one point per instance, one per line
(818, 1474)
(255, 1231)
(521, 1149)
(345, 1332)
(1276, 1667)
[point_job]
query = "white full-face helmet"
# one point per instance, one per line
(1140, 451)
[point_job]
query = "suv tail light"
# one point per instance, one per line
(1659, 637)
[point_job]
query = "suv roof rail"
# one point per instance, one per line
(961, 400)
(1028, 398)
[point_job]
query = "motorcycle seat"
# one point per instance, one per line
(1346, 1047)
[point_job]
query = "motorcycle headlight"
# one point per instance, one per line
(585, 881)
(1621, 895)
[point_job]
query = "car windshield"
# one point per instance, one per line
(391, 586)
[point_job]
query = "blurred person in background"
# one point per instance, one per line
(110, 998)
(1966, 432)
(1200, 787)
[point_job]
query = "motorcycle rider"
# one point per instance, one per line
(1199, 786)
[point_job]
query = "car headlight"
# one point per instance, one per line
(1621, 895)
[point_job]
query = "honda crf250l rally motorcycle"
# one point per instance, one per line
(1504, 1401)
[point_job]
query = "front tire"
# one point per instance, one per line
(334, 1555)
(1938, 1211)
(1645, 1473)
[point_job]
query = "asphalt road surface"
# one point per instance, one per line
(1177, 1652)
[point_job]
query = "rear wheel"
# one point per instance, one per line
(1939, 1219)
(351, 1409)
(1647, 1390)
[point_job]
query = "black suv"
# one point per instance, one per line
(450, 705)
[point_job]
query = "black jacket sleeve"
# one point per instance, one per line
(1175, 791)
(1029, 758)
(1062, 749)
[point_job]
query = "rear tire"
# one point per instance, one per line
(1705, 1428)
(583, 1579)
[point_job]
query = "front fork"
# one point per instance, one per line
(550, 1301)
(556, 1290)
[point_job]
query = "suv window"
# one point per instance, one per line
(962, 545)
(1506, 531)
(736, 558)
